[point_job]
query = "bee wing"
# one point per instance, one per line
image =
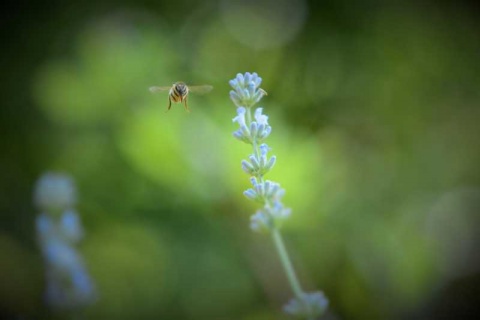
(158, 89)
(200, 89)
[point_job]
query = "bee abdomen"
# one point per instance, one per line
(176, 95)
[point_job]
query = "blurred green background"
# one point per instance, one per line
(375, 113)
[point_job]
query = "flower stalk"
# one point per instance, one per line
(59, 230)
(254, 130)
(287, 264)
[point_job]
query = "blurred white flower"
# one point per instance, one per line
(311, 306)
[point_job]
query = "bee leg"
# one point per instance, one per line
(186, 106)
(169, 104)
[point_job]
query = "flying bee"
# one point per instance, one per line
(179, 91)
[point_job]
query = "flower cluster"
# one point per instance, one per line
(245, 94)
(310, 305)
(254, 131)
(246, 91)
(58, 231)
(257, 130)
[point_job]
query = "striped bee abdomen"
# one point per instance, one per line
(179, 92)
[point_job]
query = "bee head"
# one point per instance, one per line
(181, 88)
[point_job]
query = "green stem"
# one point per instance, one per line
(254, 142)
(287, 264)
(249, 116)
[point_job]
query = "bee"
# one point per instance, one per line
(179, 91)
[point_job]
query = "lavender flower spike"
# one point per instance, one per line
(254, 130)
(68, 284)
